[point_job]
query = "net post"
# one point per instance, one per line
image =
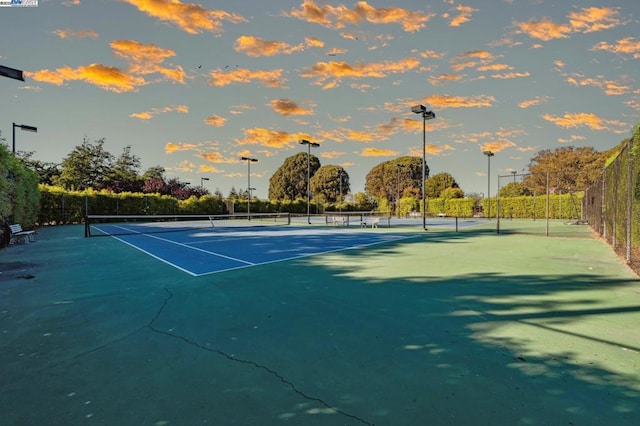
(87, 232)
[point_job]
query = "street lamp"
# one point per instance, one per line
(426, 115)
(11, 73)
(23, 127)
(514, 172)
(309, 145)
(340, 201)
(249, 160)
(202, 179)
(489, 154)
(398, 167)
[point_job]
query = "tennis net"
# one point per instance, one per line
(114, 225)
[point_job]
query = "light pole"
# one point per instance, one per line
(309, 145)
(426, 115)
(249, 160)
(489, 154)
(514, 172)
(202, 179)
(23, 127)
(340, 201)
(398, 167)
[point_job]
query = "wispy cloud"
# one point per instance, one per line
(171, 147)
(215, 121)
(76, 35)
(192, 18)
(108, 78)
(148, 115)
(449, 101)
(271, 138)
(329, 74)
(337, 17)
(256, 47)
(268, 78)
(585, 20)
(378, 152)
(590, 120)
(533, 102)
(145, 59)
(626, 46)
(288, 107)
(464, 14)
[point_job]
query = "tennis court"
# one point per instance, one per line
(398, 327)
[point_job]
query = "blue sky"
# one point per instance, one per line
(193, 87)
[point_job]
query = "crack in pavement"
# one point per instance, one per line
(150, 326)
(248, 362)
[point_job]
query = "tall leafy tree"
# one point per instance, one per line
(87, 166)
(47, 172)
(329, 182)
(438, 183)
(124, 173)
(289, 182)
(569, 169)
(401, 176)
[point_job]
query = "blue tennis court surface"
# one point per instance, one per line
(211, 250)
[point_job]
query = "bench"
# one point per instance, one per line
(373, 221)
(18, 234)
(339, 220)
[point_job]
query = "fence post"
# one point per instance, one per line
(629, 197)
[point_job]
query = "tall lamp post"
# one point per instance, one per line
(514, 172)
(489, 154)
(340, 201)
(202, 179)
(426, 115)
(398, 167)
(309, 146)
(249, 160)
(22, 127)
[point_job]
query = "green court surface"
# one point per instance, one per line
(448, 328)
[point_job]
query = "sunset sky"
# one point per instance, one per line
(194, 86)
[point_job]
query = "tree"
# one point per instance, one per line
(400, 176)
(47, 172)
(289, 182)
(436, 184)
(569, 169)
(514, 189)
(86, 166)
(328, 182)
(123, 174)
(155, 172)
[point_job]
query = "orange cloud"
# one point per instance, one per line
(216, 157)
(494, 67)
(147, 115)
(146, 59)
(313, 42)
(431, 54)
(215, 121)
(569, 121)
(207, 168)
(378, 152)
(497, 146)
(341, 135)
(256, 47)
(444, 78)
(190, 17)
(271, 138)
(544, 29)
(288, 107)
(627, 46)
(447, 101)
(76, 35)
(109, 78)
(533, 102)
(336, 71)
(338, 17)
(593, 19)
(464, 15)
(271, 78)
(511, 75)
(609, 87)
(331, 154)
(171, 147)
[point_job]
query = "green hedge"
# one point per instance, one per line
(19, 195)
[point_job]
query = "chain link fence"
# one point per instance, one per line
(612, 204)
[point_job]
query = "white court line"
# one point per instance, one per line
(201, 250)
(302, 256)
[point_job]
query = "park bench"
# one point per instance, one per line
(370, 221)
(339, 220)
(18, 234)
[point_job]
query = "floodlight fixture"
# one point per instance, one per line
(249, 160)
(426, 115)
(489, 154)
(23, 127)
